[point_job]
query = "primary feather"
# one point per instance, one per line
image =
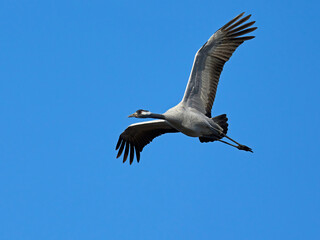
(138, 135)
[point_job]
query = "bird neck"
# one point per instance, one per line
(155, 115)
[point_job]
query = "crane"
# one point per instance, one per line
(192, 116)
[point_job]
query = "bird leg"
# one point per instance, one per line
(227, 143)
(240, 146)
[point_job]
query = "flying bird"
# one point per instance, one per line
(192, 116)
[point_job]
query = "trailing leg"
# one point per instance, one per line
(240, 146)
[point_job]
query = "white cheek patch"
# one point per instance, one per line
(145, 113)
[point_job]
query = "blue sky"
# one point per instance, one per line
(71, 73)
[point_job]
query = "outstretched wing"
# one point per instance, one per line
(138, 135)
(209, 62)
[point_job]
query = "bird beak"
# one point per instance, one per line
(132, 115)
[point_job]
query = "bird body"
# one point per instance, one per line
(191, 122)
(192, 116)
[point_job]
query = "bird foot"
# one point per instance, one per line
(245, 148)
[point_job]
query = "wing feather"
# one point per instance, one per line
(138, 135)
(209, 62)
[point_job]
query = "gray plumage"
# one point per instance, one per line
(192, 116)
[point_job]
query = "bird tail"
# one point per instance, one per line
(222, 121)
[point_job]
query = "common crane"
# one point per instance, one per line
(192, 116)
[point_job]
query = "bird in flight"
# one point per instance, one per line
(192, 116)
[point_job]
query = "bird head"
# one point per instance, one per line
(140, 114)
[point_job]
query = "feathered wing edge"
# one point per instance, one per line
(138, 135)
(210, 60)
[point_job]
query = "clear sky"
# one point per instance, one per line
(72, 71)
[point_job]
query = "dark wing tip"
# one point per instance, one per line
(237, 26)
(131, 153)
(135, 138)
(137, 153)
(242, 39)
(126, 151)
(118, 143)
(126, 147)
(121, 148)
(243, 32)
(232, 21)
